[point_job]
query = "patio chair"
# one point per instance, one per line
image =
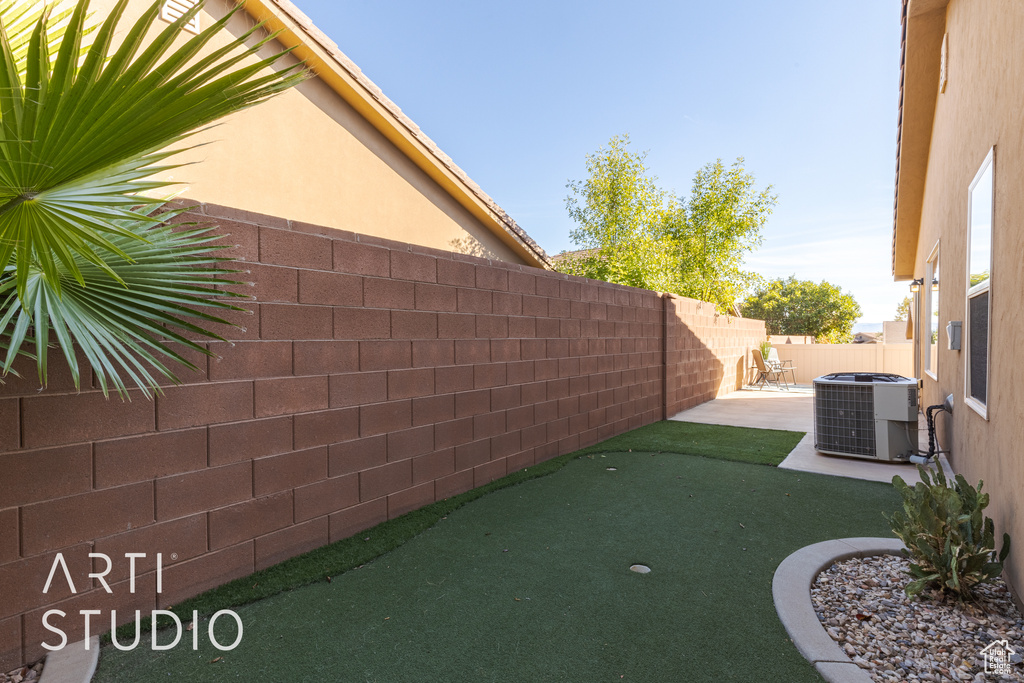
(766, 373)
(783, 366)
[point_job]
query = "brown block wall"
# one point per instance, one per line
(707, 355)
(371, 378)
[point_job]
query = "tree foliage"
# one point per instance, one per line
(632, 232)
(620, 222)
(802, 307)
(903, 308)
(718, 223)
(83, 130)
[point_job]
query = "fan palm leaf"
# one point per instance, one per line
(123, 327)
(83, 131)
(20, 18)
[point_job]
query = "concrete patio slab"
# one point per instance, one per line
(794, 410)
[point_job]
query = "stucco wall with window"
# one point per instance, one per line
(980, 109)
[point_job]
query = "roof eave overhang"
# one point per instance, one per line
(325, 60)
(924, 22)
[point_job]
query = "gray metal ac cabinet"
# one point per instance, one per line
(866, 415)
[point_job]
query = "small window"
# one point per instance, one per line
(979, 278)
(930, 319)
(172, 10)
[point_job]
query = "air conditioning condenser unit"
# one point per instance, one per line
(866, 415)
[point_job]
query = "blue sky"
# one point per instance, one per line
(518, 93)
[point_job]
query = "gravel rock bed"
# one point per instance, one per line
(25, 674)
(861, 604)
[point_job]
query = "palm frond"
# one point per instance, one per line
(20, 18)
(111, 115)
(83, 130)
(133, 321)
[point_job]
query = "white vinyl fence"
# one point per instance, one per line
(814, 360)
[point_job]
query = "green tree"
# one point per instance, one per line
(802, 307)
(716, 226)
(903, 308)
(631, 232)
(84, 251)
(620, 222)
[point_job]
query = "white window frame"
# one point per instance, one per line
(982, 287)
(929, 313)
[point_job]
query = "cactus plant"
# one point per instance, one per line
(951, 544)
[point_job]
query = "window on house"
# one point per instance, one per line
(172, 10)
(930, 319)
(979, 278)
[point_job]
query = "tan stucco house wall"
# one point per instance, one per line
(335, 151)
(946, 132)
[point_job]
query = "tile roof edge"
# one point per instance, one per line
(324, 41)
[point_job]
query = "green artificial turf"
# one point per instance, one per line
(531, 582)
(743, 444)
(764, 446)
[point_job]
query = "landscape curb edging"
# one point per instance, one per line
(791, 591)
(72, 663)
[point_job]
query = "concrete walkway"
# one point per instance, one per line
(793, 410)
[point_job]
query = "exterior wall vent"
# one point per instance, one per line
(172, 10)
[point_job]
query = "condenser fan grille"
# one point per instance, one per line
(844, 418)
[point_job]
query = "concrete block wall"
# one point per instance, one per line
(371, 378)
(706, 354)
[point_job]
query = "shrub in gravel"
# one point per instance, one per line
(951, 544)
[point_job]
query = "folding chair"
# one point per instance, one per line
(766, 373)
(782, 366)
